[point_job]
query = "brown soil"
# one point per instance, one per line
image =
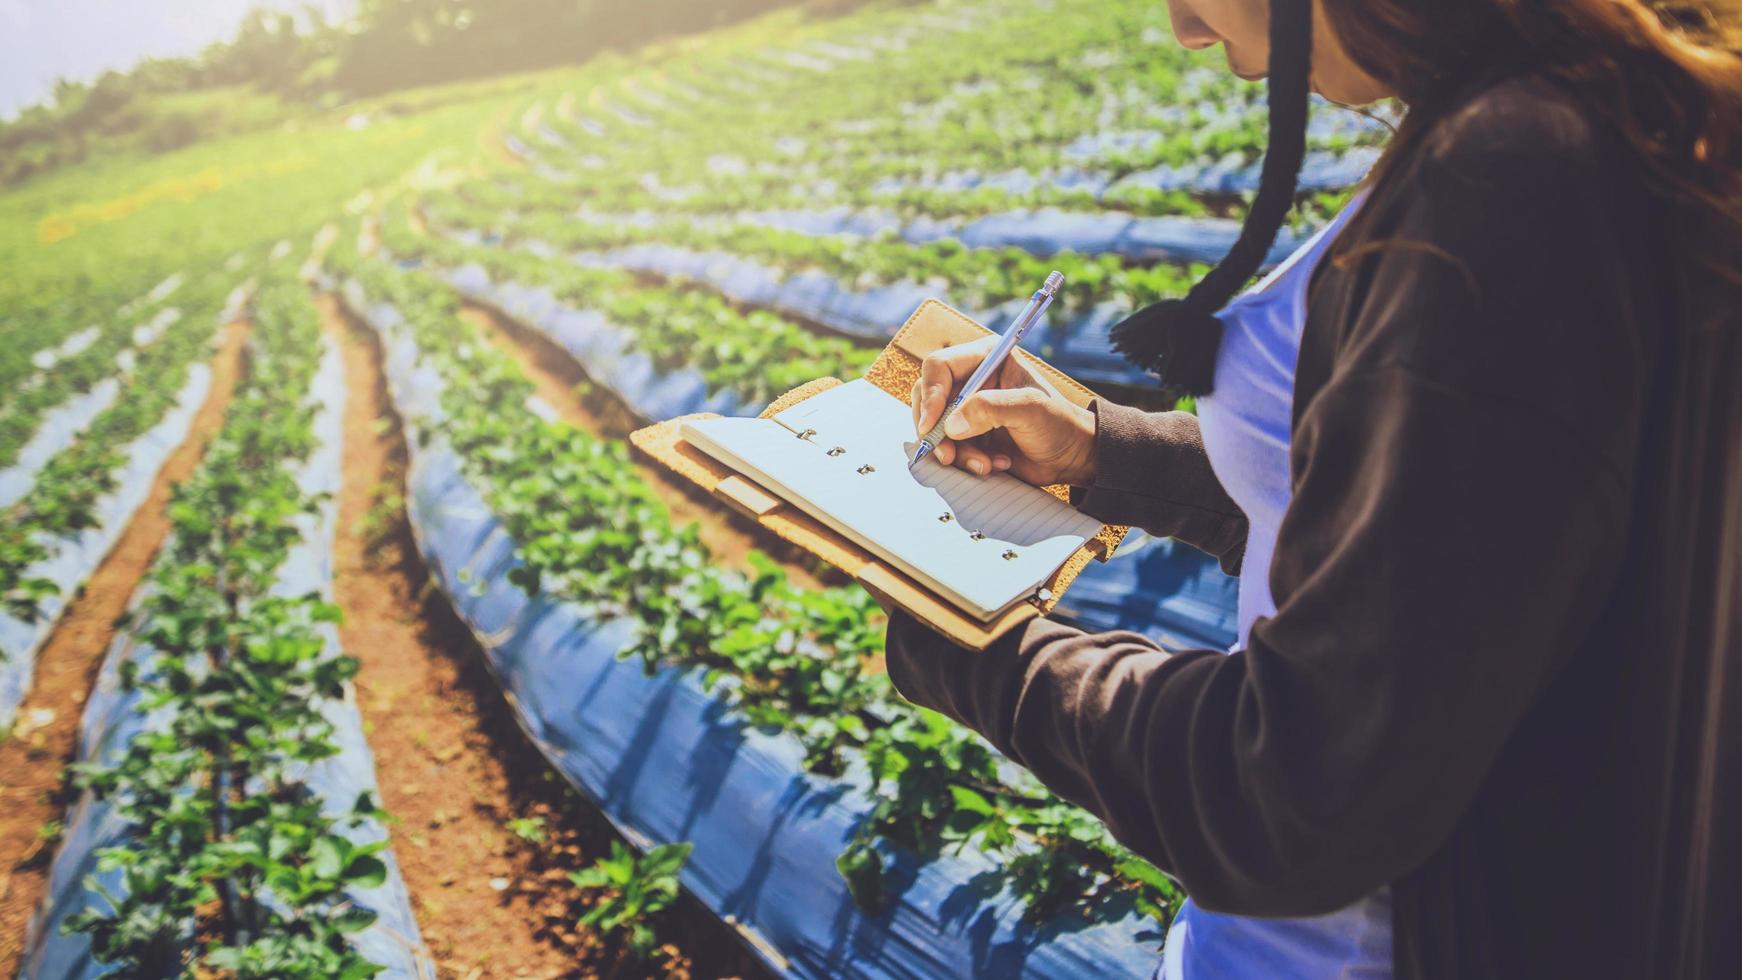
(453, 766)
(33, 760)
(560, 381)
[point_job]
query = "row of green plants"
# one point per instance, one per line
(40, 322)
(756, 355)
(788, 659)
(230, 865)
(1078, 62)
(977, 277)
(70, 376)
(63, 501)
(1032, 82)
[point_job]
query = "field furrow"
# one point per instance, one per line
(36, 792)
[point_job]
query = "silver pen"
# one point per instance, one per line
(1013, 335)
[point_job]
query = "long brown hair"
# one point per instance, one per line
(1667, 74)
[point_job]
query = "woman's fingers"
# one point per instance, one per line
(1017, 403)
(1016, 409)
(939, 375)
(973, 458)
(972, 447)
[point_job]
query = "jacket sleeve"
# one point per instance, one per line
(1152, 472)
(1459, 485)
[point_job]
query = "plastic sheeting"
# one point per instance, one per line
(811, 295)
(1321, 170)
(1042, 231)
(667, 762)
(606, 350)
(1083, 349)
(394, 940)
(113, 716)
(872, 314)
(1161, 588)
(58, 427)
(73, 346)
(72, 559)
(55, 431)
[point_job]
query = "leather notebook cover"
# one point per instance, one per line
(932, 326)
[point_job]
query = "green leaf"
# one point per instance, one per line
(366, 871)
(353, 919)
(863, 870)
(325, 858)
(971, 801)
(1142, 871)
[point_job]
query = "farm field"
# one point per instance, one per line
(344, 633)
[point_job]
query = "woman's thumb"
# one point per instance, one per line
(1009, 408)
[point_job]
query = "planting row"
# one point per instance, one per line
(54, 327)
(55, 411)
(81, 496)
(65, 379)
(228, 824)
(977, 277)
(1112, 238)
(737, 360)
(564, 562)
(813, 279)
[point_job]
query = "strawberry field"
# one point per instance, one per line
(344, 633)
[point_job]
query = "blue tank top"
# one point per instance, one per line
(1246, 433)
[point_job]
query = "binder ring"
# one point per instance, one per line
(806, 434)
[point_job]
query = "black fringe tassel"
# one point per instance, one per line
(1177, 339)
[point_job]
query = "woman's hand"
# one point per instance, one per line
(1015, 422)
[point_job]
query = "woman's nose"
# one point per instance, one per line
(1199, 37)
(1190, 30)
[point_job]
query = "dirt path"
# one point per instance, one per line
(33, 761)
(453, 767)
(556, 376)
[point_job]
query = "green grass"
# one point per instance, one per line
(126, 221)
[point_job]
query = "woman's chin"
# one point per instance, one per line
(1239, 68)
(1349, 92)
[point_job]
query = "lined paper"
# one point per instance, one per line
(922, 521)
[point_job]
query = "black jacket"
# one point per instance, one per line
(1505, 672)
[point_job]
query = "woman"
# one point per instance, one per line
(1482, 483)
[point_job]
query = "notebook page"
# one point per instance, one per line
(850, 471)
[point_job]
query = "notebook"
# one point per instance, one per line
(984, 543)
(933, 325)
